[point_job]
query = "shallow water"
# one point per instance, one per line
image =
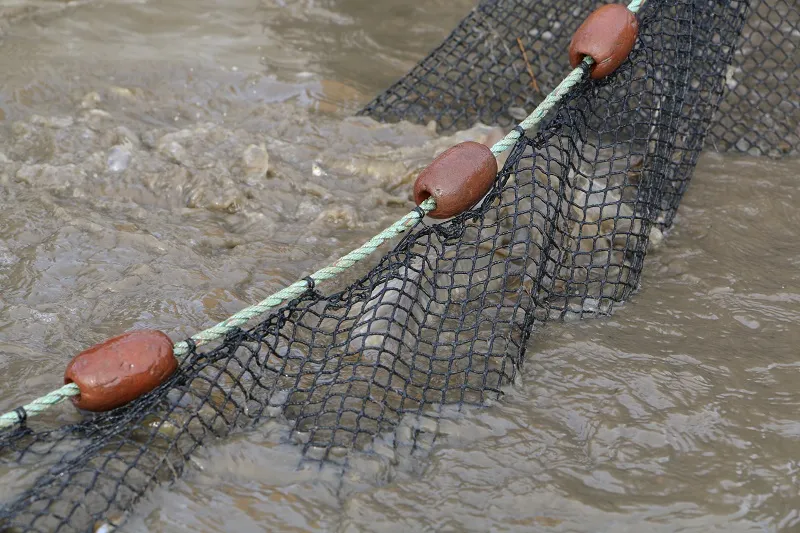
(165, 164)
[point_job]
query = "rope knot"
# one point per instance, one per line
(22, 415)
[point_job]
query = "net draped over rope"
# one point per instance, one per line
(445, 316)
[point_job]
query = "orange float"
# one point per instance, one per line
(607, 36)
(121, 369)
(457, 179)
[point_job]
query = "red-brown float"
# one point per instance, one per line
(457, 179)
(607, 36)
(121, 369)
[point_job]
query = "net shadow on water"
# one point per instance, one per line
(444, 317)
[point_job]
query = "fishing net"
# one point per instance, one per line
(480, 73)
(443, 319)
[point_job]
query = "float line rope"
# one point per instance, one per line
(299, 288)
(20, 414)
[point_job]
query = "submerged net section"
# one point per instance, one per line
(445, 316)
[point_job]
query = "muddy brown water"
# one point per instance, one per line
(163, 164)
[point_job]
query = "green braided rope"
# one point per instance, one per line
(242, 317)
(552, 99)
(39, 404)
(299, 288)
(342, 264)
(635, 5)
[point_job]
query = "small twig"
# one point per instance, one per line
(528, 65)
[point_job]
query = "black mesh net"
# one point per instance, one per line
(480, 73)
(444, 317)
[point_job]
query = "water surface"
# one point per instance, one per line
(164, 164)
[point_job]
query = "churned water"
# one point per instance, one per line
(164, 164)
